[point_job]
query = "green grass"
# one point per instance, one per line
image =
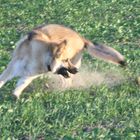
(99, 112)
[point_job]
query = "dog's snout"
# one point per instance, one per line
(64, 72)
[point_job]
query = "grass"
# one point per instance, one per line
(99, 112)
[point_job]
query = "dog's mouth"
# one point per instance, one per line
(64, 71)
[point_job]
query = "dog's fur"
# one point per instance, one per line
(52, 48)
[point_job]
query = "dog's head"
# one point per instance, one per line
(57, 50)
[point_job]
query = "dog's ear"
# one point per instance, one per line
(62, 44)
(60, 48)
(59, 43)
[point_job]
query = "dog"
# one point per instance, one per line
(54, 48)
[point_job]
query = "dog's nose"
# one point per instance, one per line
(49, 68)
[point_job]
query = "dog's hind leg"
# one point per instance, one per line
(15, 68)
(7, 74)
(22, 83)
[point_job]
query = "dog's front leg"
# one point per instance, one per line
(22, 84)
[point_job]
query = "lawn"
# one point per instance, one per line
(106, 111)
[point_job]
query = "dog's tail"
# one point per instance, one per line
(104, 52)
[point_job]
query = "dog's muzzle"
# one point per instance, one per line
(64, 72)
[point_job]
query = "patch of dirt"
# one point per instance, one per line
(85, 78)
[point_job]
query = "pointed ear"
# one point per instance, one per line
(61, 49)
(59, 43)
(62, 44)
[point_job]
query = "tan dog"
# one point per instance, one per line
(51, 47)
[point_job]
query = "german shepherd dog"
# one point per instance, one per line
(52, 48)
